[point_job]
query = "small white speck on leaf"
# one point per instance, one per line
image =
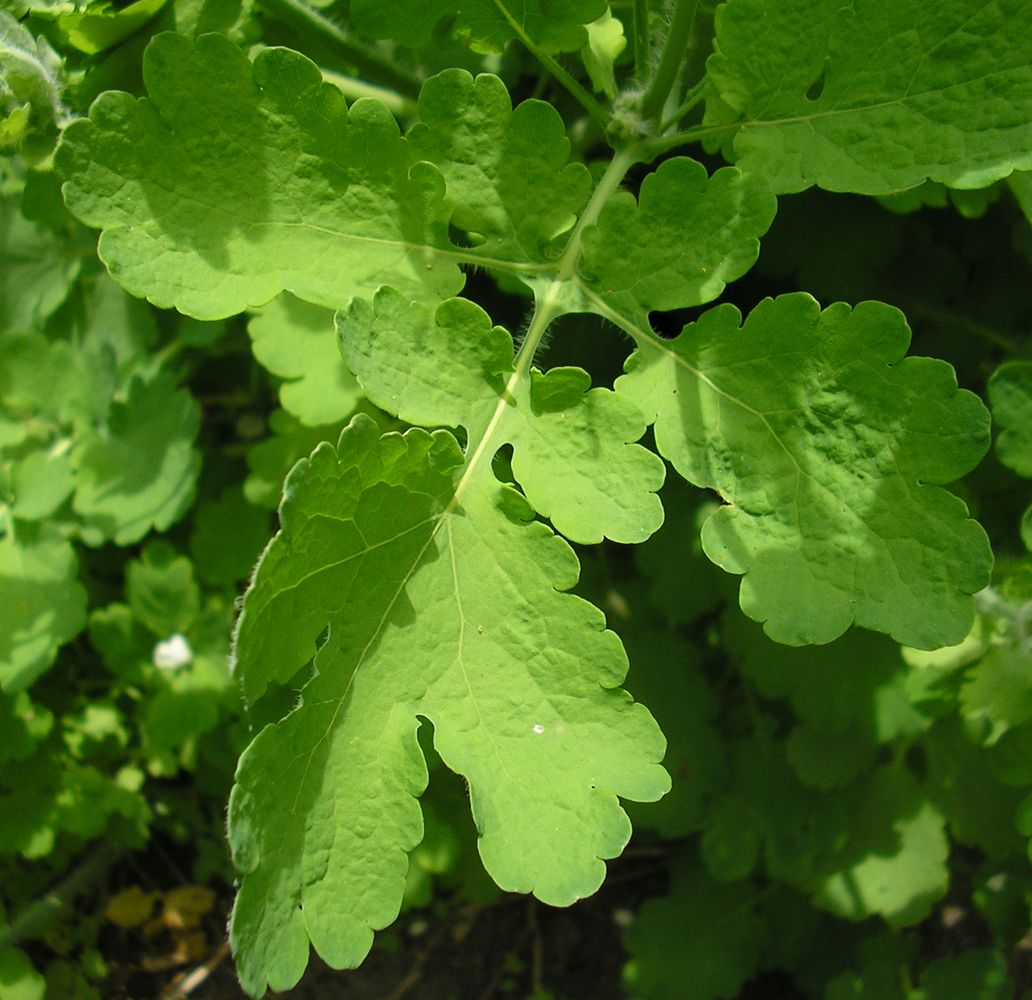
(538, 728)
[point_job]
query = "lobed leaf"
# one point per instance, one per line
(139, 472)
(684, 239)
(505, 170)
(232, 182)
(42, 605)
(574, 452)
(825, 443)
(873, 97)
(294, 340)
(1010, 396)
(434, 605)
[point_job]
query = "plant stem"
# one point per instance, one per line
(674, 51)
(693, 97)
(586, 100)
(642, 40)
(547, 306)
(368, 61)
(353, 89)
(36, 915)
(662, 144)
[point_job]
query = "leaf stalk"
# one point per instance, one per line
(675, 49)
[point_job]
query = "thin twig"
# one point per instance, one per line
(183, 985)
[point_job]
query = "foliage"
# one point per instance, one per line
(438, 288)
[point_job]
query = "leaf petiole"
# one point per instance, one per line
(675, 50)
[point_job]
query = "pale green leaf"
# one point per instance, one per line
(433, 604)
(102, 26)
(684, 239)
(296, 341)
(606, 42)
(139, 472)
(485, 25)
(42, 606)
(573, 445)
(233, 182)
(998, 688)
(39, 268)
(505, 170)
(894, 860)
(18, 979)
(874, 97)
(825, 442)
(40, 483)
(161, 589)
(1010, 396)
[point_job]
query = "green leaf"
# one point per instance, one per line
(161, 589)
(505, 170)
(573, 455)
(606, 43)
(666, 674)
(228, 535)
(262, 181)
(103, 26)
(39, 270)
(484, 25)
(685, 238)
(42, 605)
(999, 688)
(139, 472)
(979, 974)
(1010, 396)
(435, 601)
(296, 341)
(824, 442)
(874, 97)
(702, 941)
(270, 460)
(18, 979)
(40, 483)
(894, 861)
(23, 724)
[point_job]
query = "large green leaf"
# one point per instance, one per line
(876, 97)
(233, 182)
(825, 443)
(440, 597)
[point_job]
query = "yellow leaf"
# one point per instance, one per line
(131, 907)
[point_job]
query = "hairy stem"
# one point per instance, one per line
(674, 51)
(368, 61)
(547, 306)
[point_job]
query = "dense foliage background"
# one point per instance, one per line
(848, 819)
